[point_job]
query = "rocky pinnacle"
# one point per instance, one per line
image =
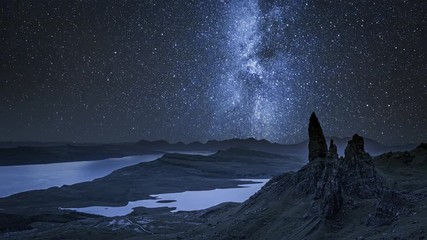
(317, 144)
(355, 149)
(333, 150)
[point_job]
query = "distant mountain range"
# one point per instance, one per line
(20, 153)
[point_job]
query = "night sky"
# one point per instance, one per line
(114, 71)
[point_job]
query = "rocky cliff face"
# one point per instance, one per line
(357, 171)
(353, 176)
(332, 179)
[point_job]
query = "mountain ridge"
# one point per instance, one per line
(69, 152)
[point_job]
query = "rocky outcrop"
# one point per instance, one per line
(317, 144)
(329, 191)
(358, 174)
(332, 179)
(339, 178)
(354, 175)
(333, 150)
(355, 150)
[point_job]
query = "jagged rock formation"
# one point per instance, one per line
(331, 179)
(317, 144)
(355, 150)
(329, 190)
(352, 176)
(333, 150)
(358, 174)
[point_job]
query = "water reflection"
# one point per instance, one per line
(22, 178)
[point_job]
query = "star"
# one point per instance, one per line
(202, 70)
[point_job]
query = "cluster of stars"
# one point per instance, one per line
(187, 71)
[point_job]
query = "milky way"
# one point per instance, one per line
(110, 71)
(253, 94)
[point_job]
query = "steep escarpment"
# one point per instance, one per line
(330, 197)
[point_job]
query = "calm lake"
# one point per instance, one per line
(183, 201)
(22, 178)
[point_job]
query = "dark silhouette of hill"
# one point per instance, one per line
(39, 153)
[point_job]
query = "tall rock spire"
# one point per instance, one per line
(317, 144)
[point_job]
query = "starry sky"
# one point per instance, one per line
(115, 71)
